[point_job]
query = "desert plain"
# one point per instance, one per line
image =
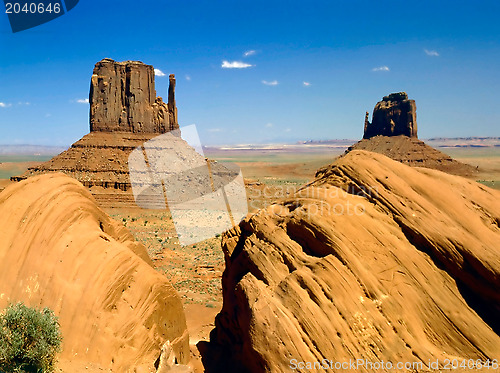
(271, 172)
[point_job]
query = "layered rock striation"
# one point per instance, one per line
(373, 261)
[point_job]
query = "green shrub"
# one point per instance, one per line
(29, 340)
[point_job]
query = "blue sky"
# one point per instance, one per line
(444, 54)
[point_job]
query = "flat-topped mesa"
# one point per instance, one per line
(123, 99)
(393, 116)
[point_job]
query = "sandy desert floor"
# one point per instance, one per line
(195, 270)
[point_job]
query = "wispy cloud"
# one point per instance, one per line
(306, 84)
(24, 103)
(431, 53)
(288, 130)
(269, 125)
(381, 68)
(273, 82)
(249, 53)
(158, 72)
(214, 130)
(235, 65)
(188, 78)
(83, 100)
(3, 104)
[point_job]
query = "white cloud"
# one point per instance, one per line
(214, 130)
(24, 103)
(269, 125)
(306, 84)
(249, 53)
(431, 53)
(158, 72)
(83, 100)
(381, 68)
(274, 82)
(188, 78)
(235, 65)
(288, 130)
(3, 104)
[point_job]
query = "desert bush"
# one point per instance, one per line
(29, 340)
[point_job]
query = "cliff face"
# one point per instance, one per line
(123, 98)
(393, 116)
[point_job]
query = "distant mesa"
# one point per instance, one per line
(124, 113)
(393, 116)
(393, 133)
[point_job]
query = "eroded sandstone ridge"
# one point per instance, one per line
(394, 115)
(123, 98)
(59, 250)
(124, 113)
(374, 260)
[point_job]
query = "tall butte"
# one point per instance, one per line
(123, 99)
(393, 133)
(124, 113)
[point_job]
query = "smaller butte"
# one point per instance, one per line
(393, 133)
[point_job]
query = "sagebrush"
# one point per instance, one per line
(29, 339)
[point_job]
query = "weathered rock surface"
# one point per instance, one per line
(415, 153)
(124, 113)
(123, 98)
(393, 116)
(59, 250)
(374, 260)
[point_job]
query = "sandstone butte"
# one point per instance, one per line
(124, 113)
(372, 260)
(393, 132)
(59, 250)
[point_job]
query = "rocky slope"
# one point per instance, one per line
(415, 153)
(59, 250)
(374, 260)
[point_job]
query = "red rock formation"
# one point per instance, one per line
(393, 116)
(59, 250)
(124, 113)
(374, 260)
(123, 98)
(415, 153)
